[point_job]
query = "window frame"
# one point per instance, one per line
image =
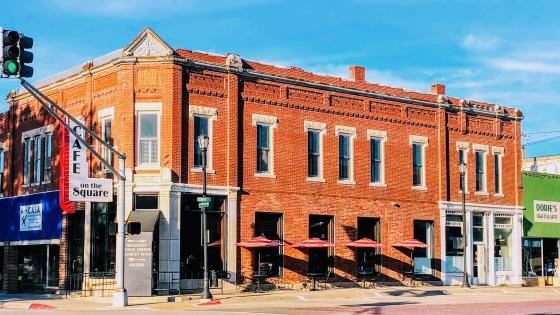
(27, 151)
(423, 143)
(463, 146)
(272, 123)
(47, 166)
(212, 114)
(349, 132)
(268, 149)
(103, 116)
(142, 109)
(380, 136)
(195, 142)
(321, 129)
(498, 153)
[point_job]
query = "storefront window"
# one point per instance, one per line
(369, 259)
(191, 236)
(503, 243)
(424, 232)
(102, 243)
(52, 270)
(532, 258)
(269, 225)
(478, 228)
(454, 243)
(320, 259)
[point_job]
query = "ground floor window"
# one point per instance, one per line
(76, 243)
(503, 244)
(103, 247)
(423, 257)
(532, 258)
(37, 267)
(550, 256)
(192, 237)
(269, 260)
(369, 259)
(321, 259)
(454, 243)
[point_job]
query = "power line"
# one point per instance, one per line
(541, 132)
(542, 140)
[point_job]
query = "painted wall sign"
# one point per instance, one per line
(138, 264)
(80, 186)
(547, 211)
(30, 217)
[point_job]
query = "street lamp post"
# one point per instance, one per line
(462, 171)
(203, 142)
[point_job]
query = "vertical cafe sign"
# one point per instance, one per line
(81, 186)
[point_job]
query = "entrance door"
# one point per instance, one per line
(479, 264)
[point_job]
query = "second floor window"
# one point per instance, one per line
(417, 164)
(47, 166)
(480, 171)
(26, 161)
(344, 157)
(498, 173)
(200, 128)
(148, 138)
(107, 136)
(375, 148)
(462, 160)
(263, 148)
(313, 153)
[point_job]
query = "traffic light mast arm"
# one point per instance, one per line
(43, 99)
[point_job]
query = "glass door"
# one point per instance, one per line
(52, 265)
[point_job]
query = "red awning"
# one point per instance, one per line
(413, 243)
(258, 242)
(364, 243)
(313, 243)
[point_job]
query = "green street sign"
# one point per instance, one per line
(203, 204)
(203, 199)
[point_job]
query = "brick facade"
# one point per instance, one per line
(180, 79)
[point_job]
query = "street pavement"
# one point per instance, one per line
(388, 300)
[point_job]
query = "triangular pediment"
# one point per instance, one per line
(148, 44)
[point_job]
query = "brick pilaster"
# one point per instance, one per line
(10, 281)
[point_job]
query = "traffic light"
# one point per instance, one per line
(14, 55)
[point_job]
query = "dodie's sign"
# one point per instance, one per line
(547, 211)
(83, 188)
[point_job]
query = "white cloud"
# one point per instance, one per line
(480, 43)
(510, 64)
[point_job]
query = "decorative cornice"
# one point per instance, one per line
(462, 145)
(314, 125)
(418, 139)
(265, 119)
(497, 150)
(480, 147)
(377, 134)
(37, 132)
(345, 130)
(211, 112)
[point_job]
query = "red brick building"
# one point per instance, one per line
(292, 155)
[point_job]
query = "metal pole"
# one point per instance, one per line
(465, 235)
(206, 295)
(120, 298)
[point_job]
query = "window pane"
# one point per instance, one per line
(48, 158)
(479, 170)
(269, 225)
(102, 243)
(497, 174)
(200, 128)
(146, 202)
(37, 157)
(262, 160)
(148, 125)
(313, 154)
(375, 160)
(263, 136)
(344, 156)
(417, 169)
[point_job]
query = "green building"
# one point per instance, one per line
(541, 225)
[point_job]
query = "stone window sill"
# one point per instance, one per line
(380, 184)
(346, 182)
(199, 170)
(481, 193)
(316, 179)
(420, 188)
(265, 175)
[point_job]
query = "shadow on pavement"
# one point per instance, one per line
(28, 297)
(417, 293)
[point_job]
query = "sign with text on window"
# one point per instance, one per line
(31, 217)
(547, 211)
(83, 188)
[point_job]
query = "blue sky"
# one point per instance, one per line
(505, 52)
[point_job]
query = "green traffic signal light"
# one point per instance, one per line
(11, 67)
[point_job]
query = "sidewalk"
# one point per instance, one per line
(428, 294)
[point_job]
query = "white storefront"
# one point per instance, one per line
(493, 248)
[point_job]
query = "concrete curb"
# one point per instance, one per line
(26, 306)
